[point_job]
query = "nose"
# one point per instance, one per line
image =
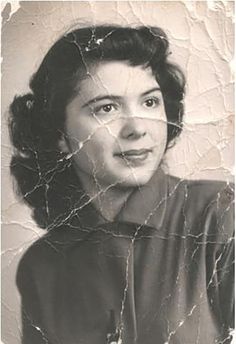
(132, 129)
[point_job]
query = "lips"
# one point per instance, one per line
(134, 152)
(135, 156)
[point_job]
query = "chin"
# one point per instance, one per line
(133, 181)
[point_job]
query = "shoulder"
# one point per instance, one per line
(203, 188)
(202, 191)
(221, 190)
(208, 202)
(216, 196)
(47, 254)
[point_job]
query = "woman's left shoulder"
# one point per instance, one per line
(216, 194)
(204, 191)
(209, 202)
(207, 188)
(213, 187)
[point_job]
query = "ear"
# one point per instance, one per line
(63, 145)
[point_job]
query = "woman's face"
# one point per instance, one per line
(116, 126)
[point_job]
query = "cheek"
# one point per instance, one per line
(158, 131)
(97, 144)
(79, 133)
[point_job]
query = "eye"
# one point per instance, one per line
(107, 108)
(104, 109)
(152, 102)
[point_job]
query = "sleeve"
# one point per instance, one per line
(32, 332)
(225, 266)
(221, 287)
(225, 278)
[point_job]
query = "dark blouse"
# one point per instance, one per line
(161, 272)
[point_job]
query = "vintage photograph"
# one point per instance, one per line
(117, 172)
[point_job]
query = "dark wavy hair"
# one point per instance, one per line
(45, 177)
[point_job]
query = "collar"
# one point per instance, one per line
(146, 205)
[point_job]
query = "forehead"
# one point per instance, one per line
(118, 78)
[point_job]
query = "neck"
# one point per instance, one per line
(107, 199)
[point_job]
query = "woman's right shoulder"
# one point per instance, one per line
(47, 253)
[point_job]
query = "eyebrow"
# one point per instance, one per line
(115, 98)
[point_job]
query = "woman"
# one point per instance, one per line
(131, 255)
